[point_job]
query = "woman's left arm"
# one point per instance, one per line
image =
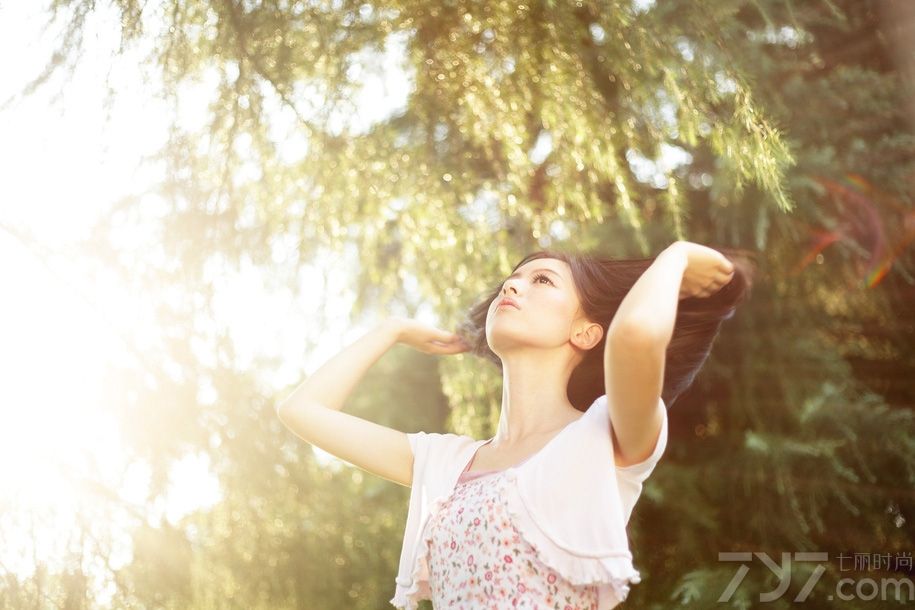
(637, 340)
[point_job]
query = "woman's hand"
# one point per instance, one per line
(426, 338)
(707, 270)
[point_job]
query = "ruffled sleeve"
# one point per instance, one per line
(419, 444)
(632, 477)
(610, 569)
(566, 503)
(437, 460)
(640, 471)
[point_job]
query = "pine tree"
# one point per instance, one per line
(615, 126)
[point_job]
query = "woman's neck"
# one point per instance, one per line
(534, 399)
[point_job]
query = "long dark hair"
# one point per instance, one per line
(602, 283)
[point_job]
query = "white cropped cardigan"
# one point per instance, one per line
(569, 501)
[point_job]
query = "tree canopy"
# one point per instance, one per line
(615, 127)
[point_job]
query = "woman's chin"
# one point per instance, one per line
(502, 343)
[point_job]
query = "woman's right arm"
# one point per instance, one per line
(313, 410)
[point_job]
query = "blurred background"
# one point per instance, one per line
(203, 201)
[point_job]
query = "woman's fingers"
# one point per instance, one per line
(454, 348)
(447, 343)
(445, 336)
(431, 340)
(457, 348)
(720, 281)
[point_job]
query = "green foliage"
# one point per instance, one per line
(791, 125)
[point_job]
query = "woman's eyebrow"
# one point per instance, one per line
(518, 273)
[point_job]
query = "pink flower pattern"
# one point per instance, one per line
(479, 560)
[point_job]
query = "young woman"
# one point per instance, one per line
(592, 352)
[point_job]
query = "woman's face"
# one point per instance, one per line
(547, 306)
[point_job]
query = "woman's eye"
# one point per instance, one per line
(537, 278)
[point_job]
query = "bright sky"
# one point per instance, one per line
(62, 167)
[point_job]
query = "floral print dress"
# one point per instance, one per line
(478, 559)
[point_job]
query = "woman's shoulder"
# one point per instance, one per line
(440, 445)
(440, 437)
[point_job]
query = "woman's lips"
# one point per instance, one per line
(507, 303)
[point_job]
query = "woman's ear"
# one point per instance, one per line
(587, 335)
